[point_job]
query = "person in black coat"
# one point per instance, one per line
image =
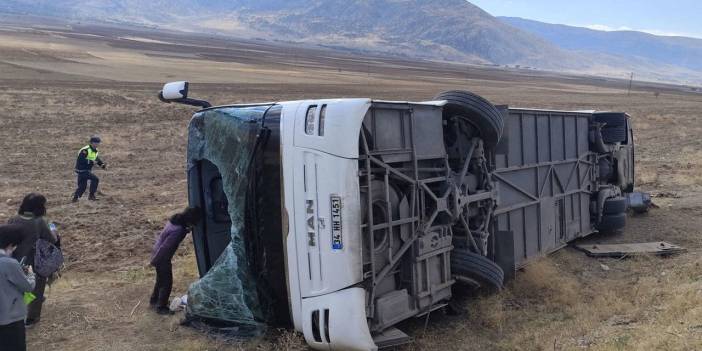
(30, 217)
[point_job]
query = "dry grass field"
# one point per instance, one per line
(59, 85)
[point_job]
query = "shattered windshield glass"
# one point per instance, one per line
(228, 294)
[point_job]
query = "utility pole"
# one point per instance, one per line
(631, 80)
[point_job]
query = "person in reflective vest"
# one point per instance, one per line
(87, 158)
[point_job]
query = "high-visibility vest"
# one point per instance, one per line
(92, 154)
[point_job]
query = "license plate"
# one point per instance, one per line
(337, 239)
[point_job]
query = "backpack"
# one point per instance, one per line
(48, 258)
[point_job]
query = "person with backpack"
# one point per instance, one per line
(35, 228)
(14, 284)
(165, 247)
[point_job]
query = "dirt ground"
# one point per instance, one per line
(59, 85)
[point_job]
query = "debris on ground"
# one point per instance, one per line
(660, 248)
(666, 194)
(621, 320)
(640, 202)
(178, 303)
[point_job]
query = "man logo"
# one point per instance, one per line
(311, 237)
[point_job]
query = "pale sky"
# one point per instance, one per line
(671, 17)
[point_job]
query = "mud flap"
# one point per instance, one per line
(504, 253)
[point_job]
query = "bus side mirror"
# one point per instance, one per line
(178, 92)
(175, 91)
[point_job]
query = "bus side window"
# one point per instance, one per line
(219, 202)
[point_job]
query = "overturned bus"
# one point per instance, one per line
(344, 217)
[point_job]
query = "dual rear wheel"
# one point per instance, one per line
(613, 217)
(487, 123)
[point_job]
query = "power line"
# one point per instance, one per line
(631, 80)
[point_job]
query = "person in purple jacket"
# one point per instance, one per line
(165, 247)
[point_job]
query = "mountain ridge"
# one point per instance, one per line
(445, 30)
(680, 51)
